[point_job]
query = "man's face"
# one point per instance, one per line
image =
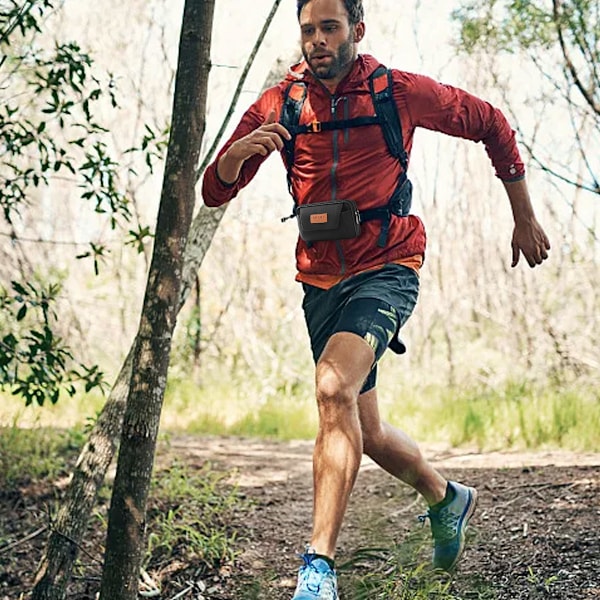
(328, 40)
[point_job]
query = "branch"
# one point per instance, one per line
(32, 535)
(56, 567)
(238, 90)
(587, 94)
(18, 18)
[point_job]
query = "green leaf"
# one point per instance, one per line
(22, 312)
(18, 287)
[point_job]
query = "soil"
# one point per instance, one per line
(535, 534)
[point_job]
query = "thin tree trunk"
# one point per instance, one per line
(127, 513)
(56, 567)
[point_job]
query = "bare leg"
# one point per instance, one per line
(397, 453)
(340, 373)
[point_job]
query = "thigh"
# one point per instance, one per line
(345, 363)
(322, 309)
(376, 322)
(394, 284)
(373, 320)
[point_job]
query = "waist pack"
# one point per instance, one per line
(335, 220)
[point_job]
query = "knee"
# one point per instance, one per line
(333, 392)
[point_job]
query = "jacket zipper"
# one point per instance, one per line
(336, 157)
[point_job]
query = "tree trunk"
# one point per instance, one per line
(55, 570)
(127, 513)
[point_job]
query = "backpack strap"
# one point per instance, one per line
(380, 84)
(290, 117)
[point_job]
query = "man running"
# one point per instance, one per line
(359, 291)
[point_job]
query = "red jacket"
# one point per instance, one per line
(355, 163)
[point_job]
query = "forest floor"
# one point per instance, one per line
(535, 534)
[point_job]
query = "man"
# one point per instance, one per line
(359, 291)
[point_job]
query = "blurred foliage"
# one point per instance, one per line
(561, 38)
(35, 363)
(36, 453)
(573, 27)
(50, 97)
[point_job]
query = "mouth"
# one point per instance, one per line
(320, 56)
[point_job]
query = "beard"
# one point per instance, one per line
(338, 62)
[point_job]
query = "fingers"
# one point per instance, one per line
(265, 144)
(532, 243)
(536, 257)
(268, 137)
(272, 126)
(270, 117)
(515, 254)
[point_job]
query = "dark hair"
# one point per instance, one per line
(354, 9)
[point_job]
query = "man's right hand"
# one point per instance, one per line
(263, 140)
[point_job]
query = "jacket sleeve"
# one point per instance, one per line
(453, 111)
(216, 192)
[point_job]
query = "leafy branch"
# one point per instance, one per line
(35, 363)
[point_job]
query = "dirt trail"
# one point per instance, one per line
(536, 529)
(536, 532)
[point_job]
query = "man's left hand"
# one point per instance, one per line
(530, 239)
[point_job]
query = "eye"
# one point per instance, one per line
(330, 28)
(308, 31)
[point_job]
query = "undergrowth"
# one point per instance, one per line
(516, 416)
(189, 514)
(35, 454)
(189, 518)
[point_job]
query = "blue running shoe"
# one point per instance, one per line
(316, 580)
(448, 526)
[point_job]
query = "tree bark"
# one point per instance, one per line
(54, 573)
(127, 513)
(55, 570)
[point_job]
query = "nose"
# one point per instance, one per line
(320, 39)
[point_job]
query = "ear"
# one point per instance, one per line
(359, 32)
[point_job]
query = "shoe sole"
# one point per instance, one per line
(463, 530)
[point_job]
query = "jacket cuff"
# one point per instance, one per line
(225, 183)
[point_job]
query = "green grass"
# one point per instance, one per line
(189, 514)
(36, 454)
(516, 415)
(242, 407)
(401, 571)
(189, 517)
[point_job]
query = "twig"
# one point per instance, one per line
(80, 547)
(533, 486)
(153, 590)
(238, 90)
(402, 510)
(23, 540)
(183, 592)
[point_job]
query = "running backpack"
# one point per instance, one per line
(386, 115)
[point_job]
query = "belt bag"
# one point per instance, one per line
(335, 220)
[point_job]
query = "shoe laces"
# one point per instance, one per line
(444, 523)
(314, 580)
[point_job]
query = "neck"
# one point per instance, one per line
(332, 84)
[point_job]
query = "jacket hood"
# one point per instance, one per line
(363, 66)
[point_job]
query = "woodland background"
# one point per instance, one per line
(92, 98)
(497, 356)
